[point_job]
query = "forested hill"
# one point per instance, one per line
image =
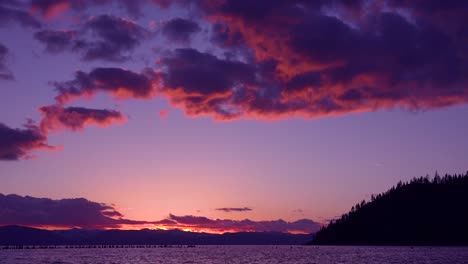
(423, 211)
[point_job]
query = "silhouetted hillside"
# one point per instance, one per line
(20, 235)
(17, 235)
(421, 212)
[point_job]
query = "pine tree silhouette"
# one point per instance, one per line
(419, 212)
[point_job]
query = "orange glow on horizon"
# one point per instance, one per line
(155, 227)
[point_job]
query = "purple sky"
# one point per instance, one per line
(293, 109)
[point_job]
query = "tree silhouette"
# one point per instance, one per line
(419, 212)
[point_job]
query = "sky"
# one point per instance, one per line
(224, 115)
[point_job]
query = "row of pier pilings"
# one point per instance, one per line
(28, 247)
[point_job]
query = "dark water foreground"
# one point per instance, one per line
(240, 254)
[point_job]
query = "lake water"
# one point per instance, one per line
(240, 254)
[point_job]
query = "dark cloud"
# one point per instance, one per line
(222, 35)
(203, 83)
(226, 225)
(425, 7)
(103, 37)
(259, 11)
(180, 30)
(115, 38)
(299, 58)
(5, 73)
(234, 209)
(338, 57)
(202, 73)
(304, 80)
(116, 81)
(56, 41)
(12, 11)
(76, 118)
(68, 213)
(17, 144)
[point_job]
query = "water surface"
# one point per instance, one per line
(240, 254)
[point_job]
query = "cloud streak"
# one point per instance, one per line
(76, 118)
(234, 209)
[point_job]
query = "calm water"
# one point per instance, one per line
(240, 254)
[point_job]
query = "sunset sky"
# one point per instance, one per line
(198, 114)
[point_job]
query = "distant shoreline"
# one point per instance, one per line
(28, 236)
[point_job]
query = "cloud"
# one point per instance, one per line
(180, 30)
(75, 118)
(222, 35)
(115, 37)
(104, 37)
(12, 11)
(5, 74)
(190, 222)
(118, 82)
(63, 213)
(17, 143)
(83, 213)
(267, 59)
(50, 9)
(234, 209)
(56, 41)
(381, 54)
(203, 83)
